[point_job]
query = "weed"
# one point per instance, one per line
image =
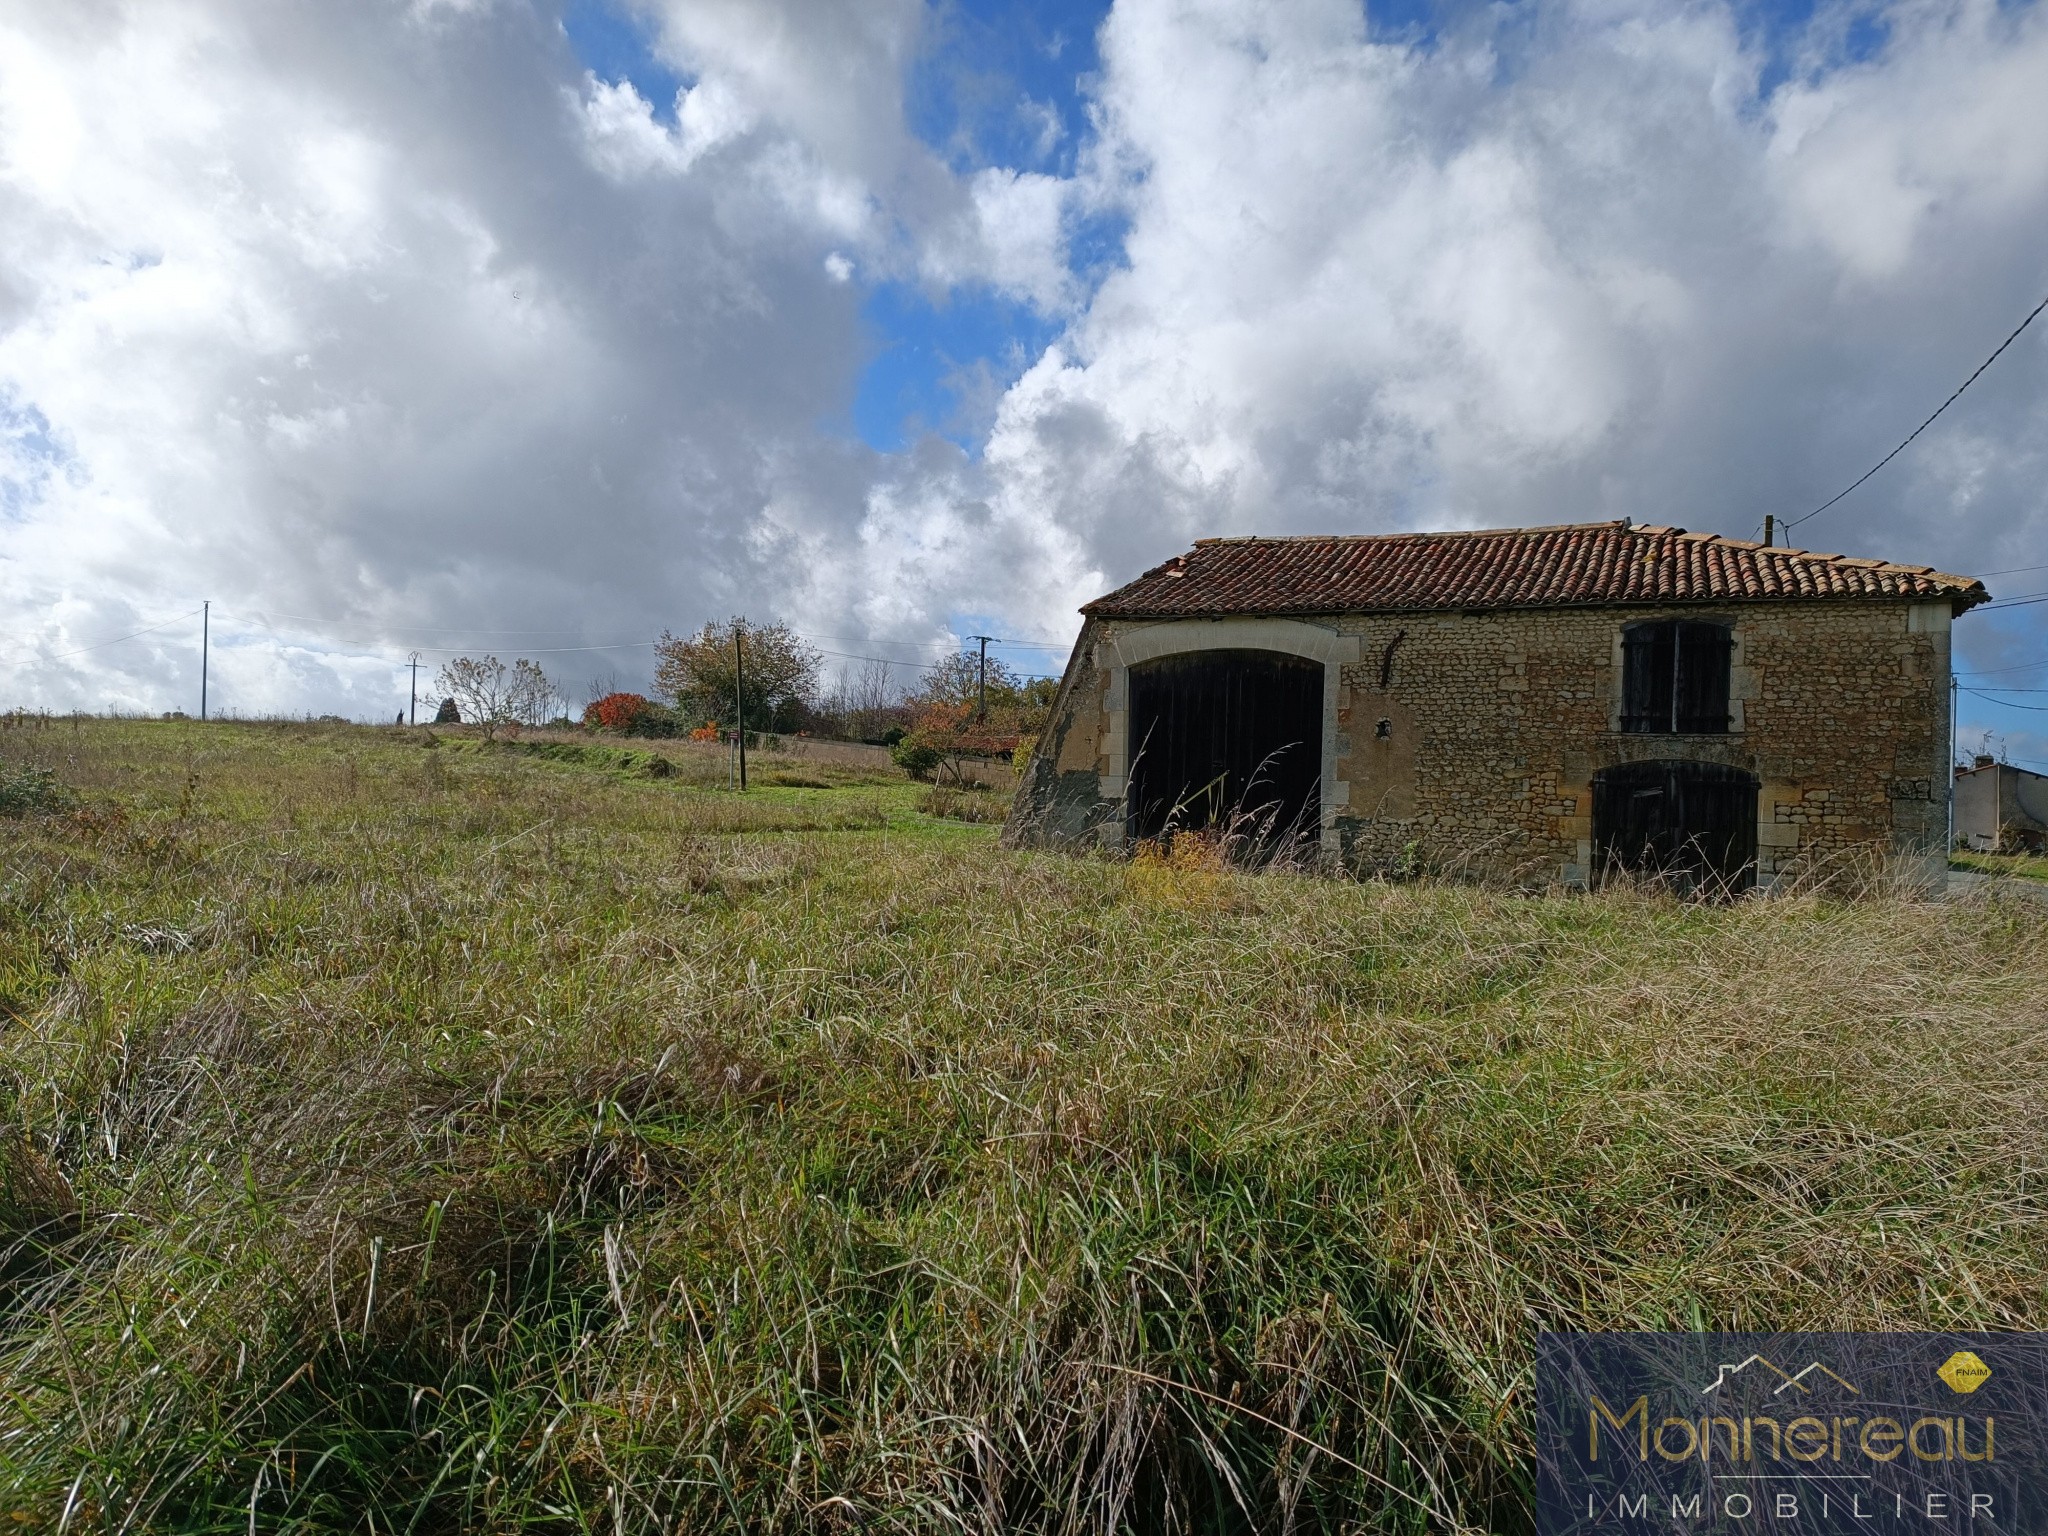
(977, 806)
(26, 790)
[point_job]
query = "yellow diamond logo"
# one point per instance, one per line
(1963, 1371)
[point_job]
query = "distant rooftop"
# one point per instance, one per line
(1575, 564)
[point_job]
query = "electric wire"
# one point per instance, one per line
(266, 615)
(101, 645)
(1794, 522)
(2026, 600)
(263, 622)
(2035, 709)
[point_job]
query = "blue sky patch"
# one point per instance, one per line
(1807, 38)
(941, 364)
(1403, 21)
(614, 46)
(997, 84)
(28, 441)
(1001, 84)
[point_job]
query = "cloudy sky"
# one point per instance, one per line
(541, 325)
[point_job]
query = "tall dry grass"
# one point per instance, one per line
(407, 1138)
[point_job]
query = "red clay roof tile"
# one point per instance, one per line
(1573, 565)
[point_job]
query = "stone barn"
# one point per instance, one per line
(1542, 703)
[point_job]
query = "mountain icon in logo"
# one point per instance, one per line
(1796, 1378)
(1963, 1371)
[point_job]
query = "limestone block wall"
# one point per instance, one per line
(1472, 738)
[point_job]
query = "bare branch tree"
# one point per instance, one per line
(493, 696)
(535, 699)
(871, 688)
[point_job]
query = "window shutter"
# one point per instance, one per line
(1646, 660)
(1704, 652)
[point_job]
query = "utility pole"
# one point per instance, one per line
(205, 646)
(1998, 807)
(412, 708)
(1949, 851)
(1770, 527)
(981, 706)
(739, 693)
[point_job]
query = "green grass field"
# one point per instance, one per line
(2021, 866)
(428, 1136)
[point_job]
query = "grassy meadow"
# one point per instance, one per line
(412, 1134)
(2016, 866)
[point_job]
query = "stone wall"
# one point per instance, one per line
(1480, 748)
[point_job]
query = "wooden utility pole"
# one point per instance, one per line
(739, 693)
(1770, 527)
(981, 689)
(412, 709)
(205, 646)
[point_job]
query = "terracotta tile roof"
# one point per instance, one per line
(1576, 564)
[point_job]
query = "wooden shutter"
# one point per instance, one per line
(1646, 668)
(1701, 695)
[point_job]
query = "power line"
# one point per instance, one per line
(265, 618)
(268, 614)
(1794, 522)
(2017, 570)
(898, 661)
(263, 622)
(2034, 709)
(132, 634)
(1032, 645)
(2026, 601)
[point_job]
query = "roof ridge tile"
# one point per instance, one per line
(1549, 566)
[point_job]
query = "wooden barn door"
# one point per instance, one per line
(1229, 739)
(1694, 823)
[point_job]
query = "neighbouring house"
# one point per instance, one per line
(1546, 703)
(2001, 809)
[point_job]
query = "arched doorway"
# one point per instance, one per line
(1692, 823)
(1231, 739)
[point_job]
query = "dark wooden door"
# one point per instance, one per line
(1230, 739)
(1694, 823)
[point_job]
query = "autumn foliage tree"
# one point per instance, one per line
(629, 714)
(957, 713)
(698, 674)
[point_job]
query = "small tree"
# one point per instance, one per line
(697, 674)
(493, 696)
